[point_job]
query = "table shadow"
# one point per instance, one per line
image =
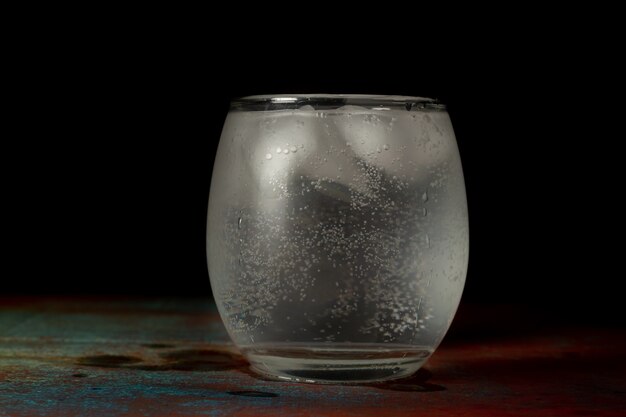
(418, 382)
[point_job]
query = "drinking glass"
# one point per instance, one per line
(337, 234)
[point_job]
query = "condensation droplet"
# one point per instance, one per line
(239, 223)
(293, 149)
(427, 239)
(424, 211)
(268, 156)
(278, 150)
(386, 147)
(285, 151)
(425, 197)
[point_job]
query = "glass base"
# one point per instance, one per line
(337, 363)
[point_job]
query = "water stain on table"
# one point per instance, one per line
(196, 360)
(108, 361)
(157, 345)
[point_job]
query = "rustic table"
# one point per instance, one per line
(171, 357)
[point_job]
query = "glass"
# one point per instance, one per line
(337, 234)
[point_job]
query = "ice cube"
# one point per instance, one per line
(354, 147)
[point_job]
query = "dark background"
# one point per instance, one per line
(109, 152)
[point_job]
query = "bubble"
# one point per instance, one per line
(293, 149)
(268, 156)
(279, 150)
(285, 151)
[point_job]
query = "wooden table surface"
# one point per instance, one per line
(171, 357)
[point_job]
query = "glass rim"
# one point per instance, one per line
(316, 102)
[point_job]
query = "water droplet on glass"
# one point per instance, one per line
(239, 223)
(278, 150)
(268, 156)
(425, 197)
(427, 239)
(386, 147)
(285, 151)
(293, 149)
(424, 211)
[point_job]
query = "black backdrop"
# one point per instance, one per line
(108, 161)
